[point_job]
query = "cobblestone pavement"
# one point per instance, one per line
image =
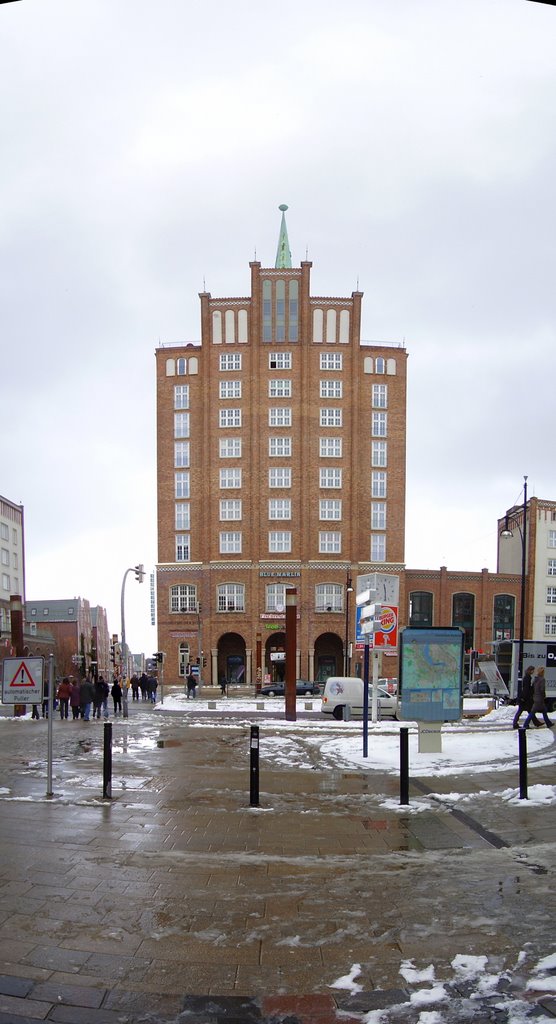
(178, 901)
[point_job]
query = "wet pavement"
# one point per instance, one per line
(176, 900)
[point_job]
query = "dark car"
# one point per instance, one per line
(303, 687)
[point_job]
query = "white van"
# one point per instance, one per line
(347, 691)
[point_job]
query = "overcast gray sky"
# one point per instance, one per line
(145, 147)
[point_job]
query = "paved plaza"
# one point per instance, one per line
(176, 900)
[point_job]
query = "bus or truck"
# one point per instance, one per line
(537, 653)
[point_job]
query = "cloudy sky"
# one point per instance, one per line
(145, 148)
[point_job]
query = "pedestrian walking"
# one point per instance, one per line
(134, 688)
(105, 694)
(45, 692)
(539, 701)
(86, 694)
(191, 684)
(117, 697)
(98, 697)
(524, 695)
(74, 697)
(144, 686)
(63, 694)
(35, 712)
(153, 684)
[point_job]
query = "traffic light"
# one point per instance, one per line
(113, 653)
(158, 657)
(139, 573)
(204, 662)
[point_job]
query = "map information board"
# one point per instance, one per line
(431, 673)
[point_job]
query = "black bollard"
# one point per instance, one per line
(404, 765)
(107, 763)
(254, 766)
(522, 741)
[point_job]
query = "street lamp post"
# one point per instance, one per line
(349, 590)
(507, 532)
(139, 571)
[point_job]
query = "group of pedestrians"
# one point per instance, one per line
(532, 699)
(81, 696)
(144, 685)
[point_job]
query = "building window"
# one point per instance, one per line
(378, 547)
(420, 608)
(551, 569)
(279, 416)
(230, 543)
(182, 516)
(279, 388)
(230, 361)
(331, 360)
(230, 478)
(229, 417)
(550, 625)
(4, 531)
(281, 476)
(230, 389)
(380, 396)
(181, 454)
(330, 542)
(379, 424)
(181, 424)
(503, 618)
(181, 396)
(280, 446)
(6, 585)
(551, 595)
(330, 447)
(280, 361)
(330, 389)
(330, 508)
(182, 547)
(275, 597)
(230, 508)
(378, 484)
(330, 417)
(380, 365)
(379, 453)
(183, 598)
(181, 367)
(279, 508)
(279, 541)
(5, 557)
(231, 597)
(378, 515)
(293, 304)
(330, 477)
(230, 447)
(181, 485)
(463, 615)
(329, 597)
(552, 538)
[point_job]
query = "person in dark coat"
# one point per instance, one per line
(63, 695)
(539, 701)
(86, 694)
(117, 696)
(74, 697)
(191, 684)
(134, 687)
(525, 695)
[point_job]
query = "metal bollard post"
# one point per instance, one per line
(254, 766)
(107, 763)
(522, 742)
(404, 765)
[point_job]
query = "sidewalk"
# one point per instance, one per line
(177, 901)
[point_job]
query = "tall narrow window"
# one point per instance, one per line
(280, 324)
(463, 615)
(267, 311)
(293, 310)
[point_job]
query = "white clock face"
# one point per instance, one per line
(388, 589)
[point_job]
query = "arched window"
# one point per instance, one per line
(293, 311)
(193, 366)
(380, 365)
(276, 598)
(331, 318)
(391, 367)
(420, 608)
(183, 598)
(231, 597)
(463, 615)
(344, 326)
(183, 659)
(170, 367)
(242, 322)
(230, 326)
(503, 619)
(181, 367)
(368, 364)
(329, 597)
(217, 327)
(318, 326)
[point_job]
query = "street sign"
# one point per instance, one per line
(22, 680)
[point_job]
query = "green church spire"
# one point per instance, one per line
(283, 254)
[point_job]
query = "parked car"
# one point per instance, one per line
(303, 687)
(347, 691)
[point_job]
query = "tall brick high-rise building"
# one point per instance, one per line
(281, 463)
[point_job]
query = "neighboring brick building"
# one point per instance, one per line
(281, 462)
(80, 634)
